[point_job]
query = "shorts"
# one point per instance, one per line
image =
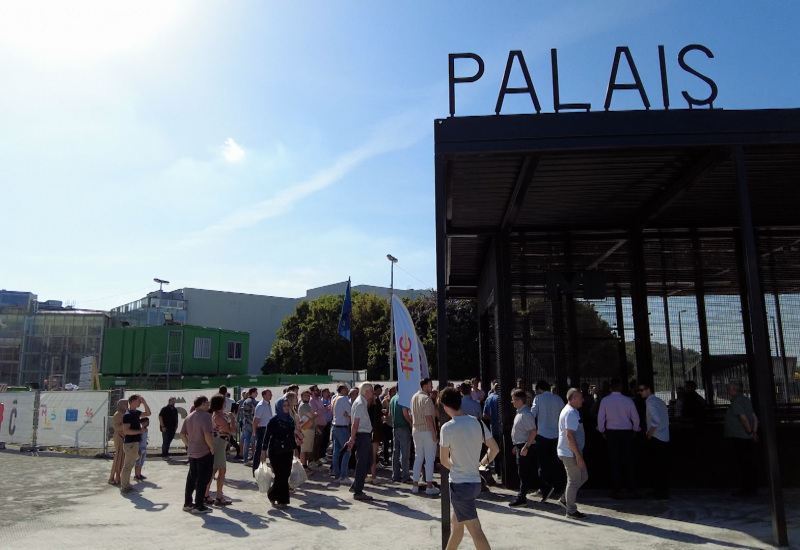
(462, 498)
(308, 440)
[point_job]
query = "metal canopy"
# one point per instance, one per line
(658, 204)
(602, 175)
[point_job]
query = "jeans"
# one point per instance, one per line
(575, 478)
(425, 449)
(659, 466)
(620, 455)
(549, 467)
(363, 448)
(198, 478)
(260, 433)
(247, 438)
(341, 434)
(166, 440)
(400, 453)
(526, 470)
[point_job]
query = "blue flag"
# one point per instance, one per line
(344, 320)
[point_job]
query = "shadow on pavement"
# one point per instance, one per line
(252, 521)
(309, 518)
(664, 534)
(142, 503)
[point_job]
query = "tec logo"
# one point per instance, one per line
(406, 357)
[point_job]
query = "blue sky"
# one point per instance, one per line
(271, 147)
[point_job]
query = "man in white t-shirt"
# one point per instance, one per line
(571, 439)
(462, 439)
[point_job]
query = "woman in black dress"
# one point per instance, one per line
(279, 444)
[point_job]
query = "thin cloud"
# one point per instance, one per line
(231, 151)
(392, 135)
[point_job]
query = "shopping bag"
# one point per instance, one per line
(298, 475)
(264, 477)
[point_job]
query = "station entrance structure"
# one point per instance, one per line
(657, 245)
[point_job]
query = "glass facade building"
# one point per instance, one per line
(46, 342)
(155, 309)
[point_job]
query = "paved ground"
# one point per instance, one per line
(60, 501)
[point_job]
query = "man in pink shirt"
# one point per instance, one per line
(618, 420)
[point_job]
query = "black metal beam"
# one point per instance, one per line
(641, 319)
(524, 178)
(667, 197)
(442, 260)
(595, 130)
(763, 363)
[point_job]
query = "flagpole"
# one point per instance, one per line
(352, 356)
(391, 318)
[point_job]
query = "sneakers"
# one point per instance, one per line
(432, 491)
(518, 502)
(362, 496)
(576, 515)
(562, 501)
(415, 489)
(188, 507)
(127, 490)
(546, 493)
(203, 510)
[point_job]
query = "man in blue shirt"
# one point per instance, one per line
(491, 414)
(469, 405)
(546, 410)
(657, 441)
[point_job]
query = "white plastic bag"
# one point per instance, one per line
(298, 475)
(264, 477)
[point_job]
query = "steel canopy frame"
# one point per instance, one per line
(505, 177)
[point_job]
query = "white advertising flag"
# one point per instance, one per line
(409, 353)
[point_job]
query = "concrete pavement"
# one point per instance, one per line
(61, 501)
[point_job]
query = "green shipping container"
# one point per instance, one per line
(174, 350)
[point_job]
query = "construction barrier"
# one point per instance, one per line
(16, 417)
(73, 419)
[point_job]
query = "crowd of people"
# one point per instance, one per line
(357, 429)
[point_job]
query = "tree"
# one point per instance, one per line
(307, 341)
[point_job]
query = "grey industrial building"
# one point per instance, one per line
(257, 314)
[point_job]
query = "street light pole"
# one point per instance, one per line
(161, 283)
(680, 334)
(391, 317)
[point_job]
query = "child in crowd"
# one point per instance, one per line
(142, 451)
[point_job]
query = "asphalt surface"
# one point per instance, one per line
(59, 501)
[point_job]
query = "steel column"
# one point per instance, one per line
(641, 320)
(763, 366)
(441, 320)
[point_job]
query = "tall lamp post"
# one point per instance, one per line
(161, 283)
(391, 317)
(680, 334)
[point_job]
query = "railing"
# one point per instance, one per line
(160, 367)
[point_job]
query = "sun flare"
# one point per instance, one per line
(81, 30)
